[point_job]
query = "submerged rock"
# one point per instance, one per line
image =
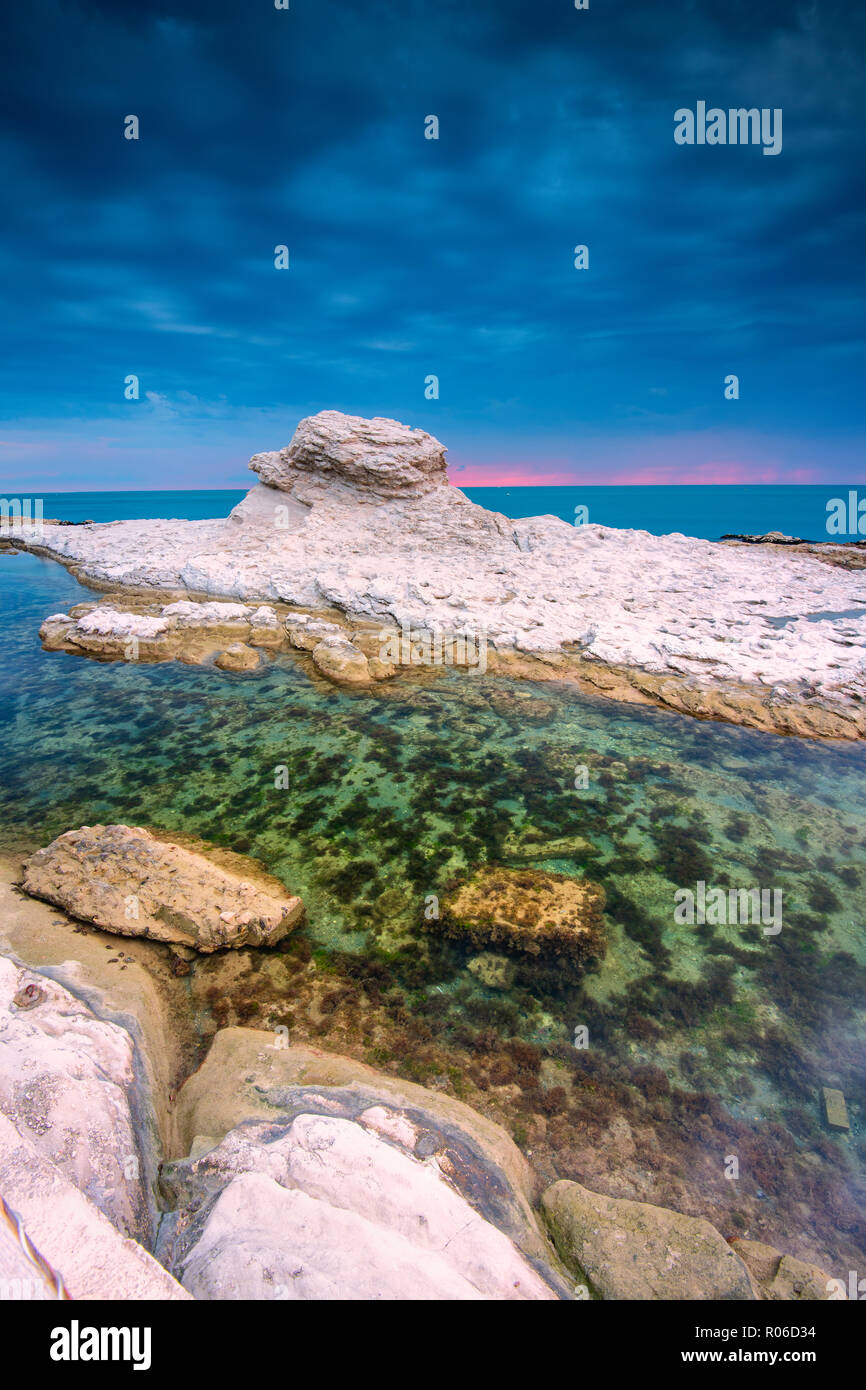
(126, 879)
(238, 657)
(835, 1109)
(530, 912)
(631, 1250)
(492, 971)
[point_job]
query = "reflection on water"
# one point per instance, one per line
(705, 1041)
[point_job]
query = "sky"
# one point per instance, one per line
(412, 257)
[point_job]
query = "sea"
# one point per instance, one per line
(706, 511)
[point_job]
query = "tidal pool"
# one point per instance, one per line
(707, 1045)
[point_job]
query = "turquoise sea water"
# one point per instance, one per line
(709, 512)
(704, 1041)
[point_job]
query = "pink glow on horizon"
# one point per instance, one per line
(648, 475)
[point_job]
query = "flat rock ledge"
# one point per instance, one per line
(241, 638)
(356, 518)
(127, 880)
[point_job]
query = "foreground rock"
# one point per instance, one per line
(129, 881)
(74, 1162)
(65, 1079)
(309, 1176)
(249, 1075)
(334, 1181)
(631, 1250)
(326, 1207)
(550, 916)
(81, 1245)
(356, 516)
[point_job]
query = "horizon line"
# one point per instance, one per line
(493, 487)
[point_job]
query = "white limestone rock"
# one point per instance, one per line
(186, 614)
(93, 1258)
(65, 1076)
(379, 455)
(331, 1208)
(370, 527)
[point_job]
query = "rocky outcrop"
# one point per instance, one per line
(849, 555)
(356, 517)
(194, 633)
(380, 456)
(128, 880)
(230, 636)
(550, 916)
(631, 1250)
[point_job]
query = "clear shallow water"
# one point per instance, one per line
(704, 1041)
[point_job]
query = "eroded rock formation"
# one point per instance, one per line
(356, 517)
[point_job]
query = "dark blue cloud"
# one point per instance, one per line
(412, 257)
